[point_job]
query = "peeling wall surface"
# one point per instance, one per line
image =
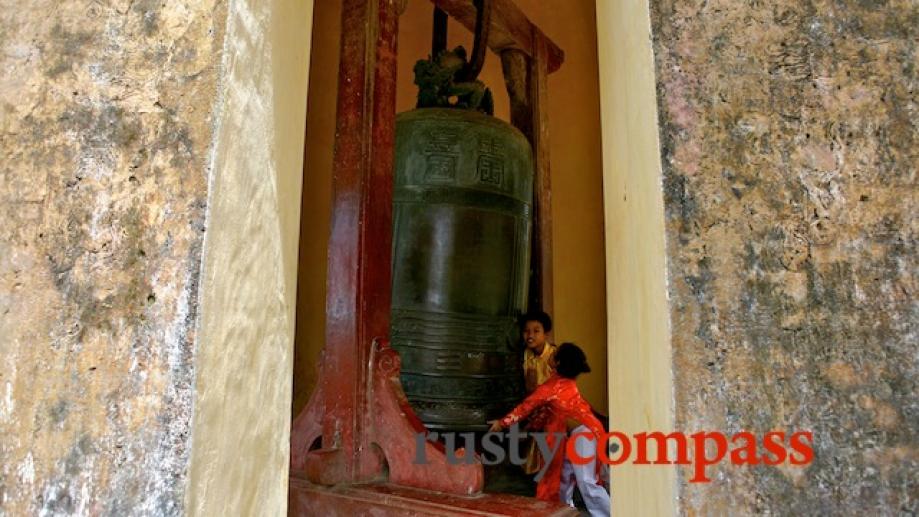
(105, 132)
(790, 149)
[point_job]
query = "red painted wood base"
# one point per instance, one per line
(388, 500)
(391, 437)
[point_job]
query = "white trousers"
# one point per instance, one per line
(584, 476)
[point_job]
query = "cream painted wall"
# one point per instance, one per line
(315, 207)
(640, 389)
(577, 186)
(574, 132)
(240, 443)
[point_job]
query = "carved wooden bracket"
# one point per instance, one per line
(393, 431)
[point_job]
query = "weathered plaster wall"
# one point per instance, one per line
(117, 120)
(105, 117)
(575, 164)
(790, 151)
(241, 435)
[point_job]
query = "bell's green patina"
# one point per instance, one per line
(461, 244)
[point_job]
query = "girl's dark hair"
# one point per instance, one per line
(539, 316)
(570, 361)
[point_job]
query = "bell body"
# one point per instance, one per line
(462, 209)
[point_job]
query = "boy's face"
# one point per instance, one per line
(534, 336)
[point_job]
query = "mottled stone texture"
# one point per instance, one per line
(790, 149)
(106, 130)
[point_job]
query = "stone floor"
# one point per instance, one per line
(510, 479)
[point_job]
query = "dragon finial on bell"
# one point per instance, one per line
(440, 86)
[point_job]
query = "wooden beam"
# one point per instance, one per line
(510, 29)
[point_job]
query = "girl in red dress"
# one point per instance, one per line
(560, 394)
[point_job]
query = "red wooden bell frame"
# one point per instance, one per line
(353, 446)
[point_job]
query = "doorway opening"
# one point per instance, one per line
(585, 302)
(576, 168)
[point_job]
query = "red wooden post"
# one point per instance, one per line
(358, 299)
(358, 422)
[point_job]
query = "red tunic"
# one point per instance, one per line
(561, 395)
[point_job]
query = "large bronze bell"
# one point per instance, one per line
(461, 231)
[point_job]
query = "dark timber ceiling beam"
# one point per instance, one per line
(510, 29)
